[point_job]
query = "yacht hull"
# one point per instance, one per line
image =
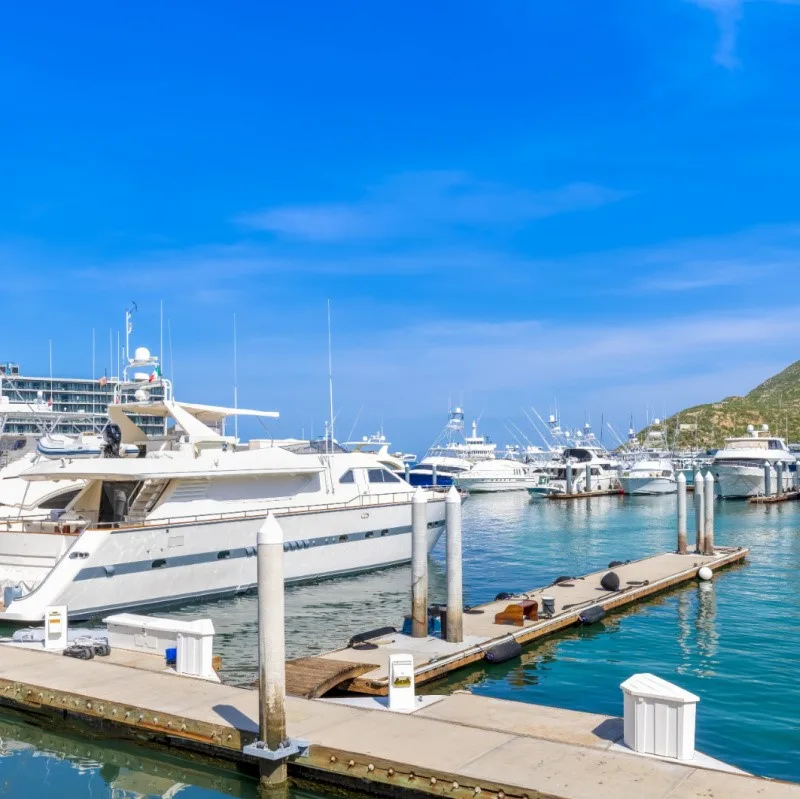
(648, 485)
(741, 482)
(492, 486)
(108, 570)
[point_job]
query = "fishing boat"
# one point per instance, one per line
(603, 470)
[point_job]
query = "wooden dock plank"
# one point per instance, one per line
(312, 677)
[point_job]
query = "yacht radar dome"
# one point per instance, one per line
(765, 428)
(141, 356)
(141, 395)
(140, 377)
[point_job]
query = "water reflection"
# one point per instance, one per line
(124, 770)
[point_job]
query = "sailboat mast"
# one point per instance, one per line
(235, 381)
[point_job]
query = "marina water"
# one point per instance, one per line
(733, 641)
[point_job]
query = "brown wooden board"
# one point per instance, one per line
(313, 677)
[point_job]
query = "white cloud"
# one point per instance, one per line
(417, 204)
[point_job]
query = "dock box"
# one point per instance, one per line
(659, 717)
(192, 641)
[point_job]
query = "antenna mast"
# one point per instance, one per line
(330, 377)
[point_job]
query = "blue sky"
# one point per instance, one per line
(510, 203)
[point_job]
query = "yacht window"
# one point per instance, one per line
(157, 564)
(381, 476)
(347, 477)
(775, 445)
(226, 553)
(60, 501)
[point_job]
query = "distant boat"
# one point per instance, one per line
(649, 476)
(452, 453)
(85, 445)
(496, 475)
(604, 472)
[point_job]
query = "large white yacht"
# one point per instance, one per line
(495, 475)
(738, 467)
(649, 476)
(179, 522)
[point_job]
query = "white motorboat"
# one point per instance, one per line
(649, 477)
(84, 445)
(495, 475)
(603, 472)
(738, 467)
(180, 522)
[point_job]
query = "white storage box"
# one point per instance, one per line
(659, 717)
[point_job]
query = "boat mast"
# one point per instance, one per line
(330, 378)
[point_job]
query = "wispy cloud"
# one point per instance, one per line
(728, 14)
(416, 204)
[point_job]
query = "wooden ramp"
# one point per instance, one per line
(313, 677)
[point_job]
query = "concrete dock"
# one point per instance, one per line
(461, 745)
(435, 658)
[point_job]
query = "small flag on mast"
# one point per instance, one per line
(156, 374)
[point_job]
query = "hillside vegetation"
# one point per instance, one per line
(776, 402)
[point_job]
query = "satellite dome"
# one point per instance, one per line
(141, 355)
(750, 428)
(765, 428)
(141, 395)
(140, 377)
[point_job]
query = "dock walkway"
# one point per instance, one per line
(435, 658)
(460, 746)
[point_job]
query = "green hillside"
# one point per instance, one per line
(776, 402)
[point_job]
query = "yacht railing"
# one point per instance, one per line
(66, 526)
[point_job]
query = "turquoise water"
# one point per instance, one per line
(733, 642)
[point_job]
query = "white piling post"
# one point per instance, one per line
(569, 477)
(699, 510)
(779, 478)
(708, 537)
(795, 481)
(455, 592)
(434, 476)
(588, 477)
(407, 470)
(271, 649)
(682, 546)
(767, 480)
(419, 564)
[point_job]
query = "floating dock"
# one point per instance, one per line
(453, 746)
(787, 496)
(609, 492)
(435, 658)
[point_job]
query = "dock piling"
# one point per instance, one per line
(271, 652)
(569, 485)
(407, 470)
(699, 510)
(419, 564)
(778, 478)
(682, 545)
(434, 476)
(588, 477)
(708, 537)
(455, 594)
(767, 480)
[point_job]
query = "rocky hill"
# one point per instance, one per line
(776, 402)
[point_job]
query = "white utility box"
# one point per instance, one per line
(401, 683)
(192, 641)
(659, 717)
(55, 627)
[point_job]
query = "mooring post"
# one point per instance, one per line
(455, 592)
(588, 477)
(271, 651)
(407, 470)
(434, 476)
(767, 480)
(682, 546)
(699, 510)
(419, 564)
(708, 532)
(794, 478)
(779, 478)
(569, 477)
